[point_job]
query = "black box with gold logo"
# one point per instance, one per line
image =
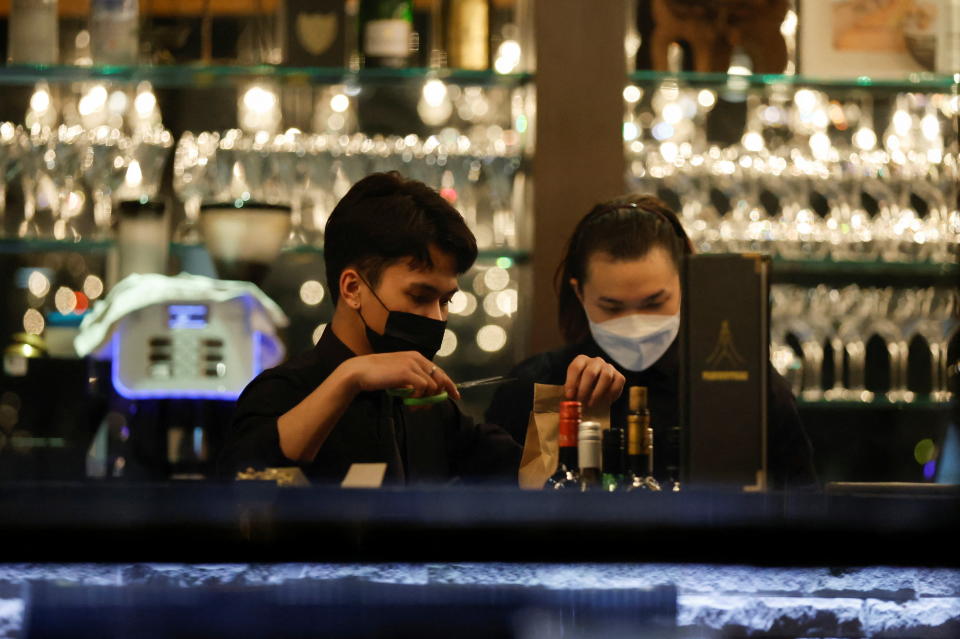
(724, 370)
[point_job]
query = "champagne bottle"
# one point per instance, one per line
(640, 442)
(386, 32)
(612, 459)
(566, 475)
(589, 455)
(468, 34)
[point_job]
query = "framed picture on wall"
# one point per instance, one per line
(876, 38)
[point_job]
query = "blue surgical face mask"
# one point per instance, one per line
(637, 341)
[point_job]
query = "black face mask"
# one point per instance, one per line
(405, 332)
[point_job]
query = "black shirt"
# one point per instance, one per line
(790, 452)
(422, 445)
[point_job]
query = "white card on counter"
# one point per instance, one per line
(364, 476)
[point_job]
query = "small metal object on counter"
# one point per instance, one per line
(287, 476)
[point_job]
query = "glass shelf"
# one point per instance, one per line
(919, 82)
(516, 256)
(783, 269)
(877, 404)
(17, 246)
(200, 76)
(37, 245)
(788, 270)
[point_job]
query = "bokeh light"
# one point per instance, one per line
(317, 332)
(491, 338)
(448, 345)
(33, 322)
(65, 300)
(496, 278)
(490, 306)
(925, 451)
(311, 292)
(38, 284)
(92, 287)
(463, 303)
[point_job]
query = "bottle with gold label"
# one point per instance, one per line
(640, 442)
(468, 34)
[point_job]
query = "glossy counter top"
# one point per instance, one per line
(254, 521)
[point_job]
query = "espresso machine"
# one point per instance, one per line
(179, 351)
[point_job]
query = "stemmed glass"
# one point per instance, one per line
(104, 166)
(63, 160)
(317, 200)
(503, 176)
(192, 161)
(935, 321)
(147, 153)
(9, 164)
(40, 197)
(785, 304)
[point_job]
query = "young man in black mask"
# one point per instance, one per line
(393, 251)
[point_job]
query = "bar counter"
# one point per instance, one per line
(191, 521)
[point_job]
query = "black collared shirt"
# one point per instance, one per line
(423, 445)
(790, 452)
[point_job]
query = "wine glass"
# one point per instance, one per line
(147, 153)
(192, 161)
(40, 197)
(63, 160)
(9, 164)
(104, 166)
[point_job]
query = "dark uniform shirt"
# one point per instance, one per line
(790, 452)
(422, 445)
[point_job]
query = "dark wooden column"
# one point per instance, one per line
(578, 159)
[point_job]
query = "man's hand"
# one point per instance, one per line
(408, 369)
(592, 380)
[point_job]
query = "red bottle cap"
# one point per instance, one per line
(569, 423)
(570, 410)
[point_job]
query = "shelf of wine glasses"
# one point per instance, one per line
(187, 76)
(919, 82)
(875, 404)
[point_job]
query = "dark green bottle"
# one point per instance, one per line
(612, 477)
(386, 33)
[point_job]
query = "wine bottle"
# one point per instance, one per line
(589, 455)
(566, 475)
(114, 31)
(612, 459)
(386, 32)
(468, 34)
(640, 442)
(33, 32)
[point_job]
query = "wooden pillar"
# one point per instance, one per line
(578, 160)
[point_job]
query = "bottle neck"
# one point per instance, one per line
(568, 457)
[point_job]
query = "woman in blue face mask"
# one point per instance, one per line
(619, 300)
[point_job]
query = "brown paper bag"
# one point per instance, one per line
(541, 451)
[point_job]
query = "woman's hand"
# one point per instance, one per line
(407, 369)
(592, 380)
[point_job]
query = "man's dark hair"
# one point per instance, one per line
(385, 218)
(626, 228)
